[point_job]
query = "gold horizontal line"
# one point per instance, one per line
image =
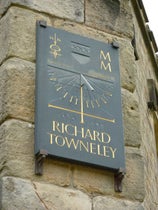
(85, 114)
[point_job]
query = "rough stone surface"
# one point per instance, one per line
(132, 134)
(16, 142)
(17, 146)
(17, 23)
(17, 90)
(108, 203)
(20, 194)
(70, 9)
(100, 181)
(63, 198)
(128, 67)
(133, 183)
(93, 180)
(114, 16)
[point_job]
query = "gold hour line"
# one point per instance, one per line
(65, 94)
(85, 114)
(97, 103)
(76, 102)
(104, 101)
(59, 88)
(71, 99)
(92, 104)
(87, 104)
(106, 93)
(53, 79)
(81, 89)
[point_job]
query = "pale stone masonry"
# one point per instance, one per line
(64, 185)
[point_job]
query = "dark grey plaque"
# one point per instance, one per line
(78, 99)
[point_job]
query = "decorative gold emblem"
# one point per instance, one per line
(55, 49)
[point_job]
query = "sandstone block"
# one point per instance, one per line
(131, 118)
(93, 180)
(101, 181)
(20, 194)
(17, 155)
(62, 198)
(128, 66)
(19, 33)
(133, 183)
(17, 89)
(70, 9)
(112, 16)
(108, 203)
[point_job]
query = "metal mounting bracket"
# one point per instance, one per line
(42, 23)
(118, 177)
(39, 159)
(115, 44)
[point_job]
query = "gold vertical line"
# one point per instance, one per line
(81, 93)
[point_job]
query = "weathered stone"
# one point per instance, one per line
(20, 194)
(19, 33)
(112, 16)
(62, 198)
(93, 180)
(133, 183)
(17, 146)
(131, 116)
(102, 181)
(16, 142)
(71, 9)
(17, 89)
(108, 203)
(128, 66)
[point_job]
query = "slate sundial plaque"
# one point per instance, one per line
(78, 113)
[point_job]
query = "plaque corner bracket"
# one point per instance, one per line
(115, 44)
(39, 159)
(42, 23)
(118, 177)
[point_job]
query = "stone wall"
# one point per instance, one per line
(64, 185)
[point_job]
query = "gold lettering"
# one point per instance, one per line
(71, 142)
(60, 141)
(104, 57)
(105, 67)
(86, 147)
(96, 135)
(88, 134)
(105, 137)
(56, 126)
(106, 151)
(70, 129)
(99, 153)
(92, 148)
(79, 132)
(51, 138)
(113, 152)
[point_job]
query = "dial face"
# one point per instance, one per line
(83, 94)
(78, 99)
